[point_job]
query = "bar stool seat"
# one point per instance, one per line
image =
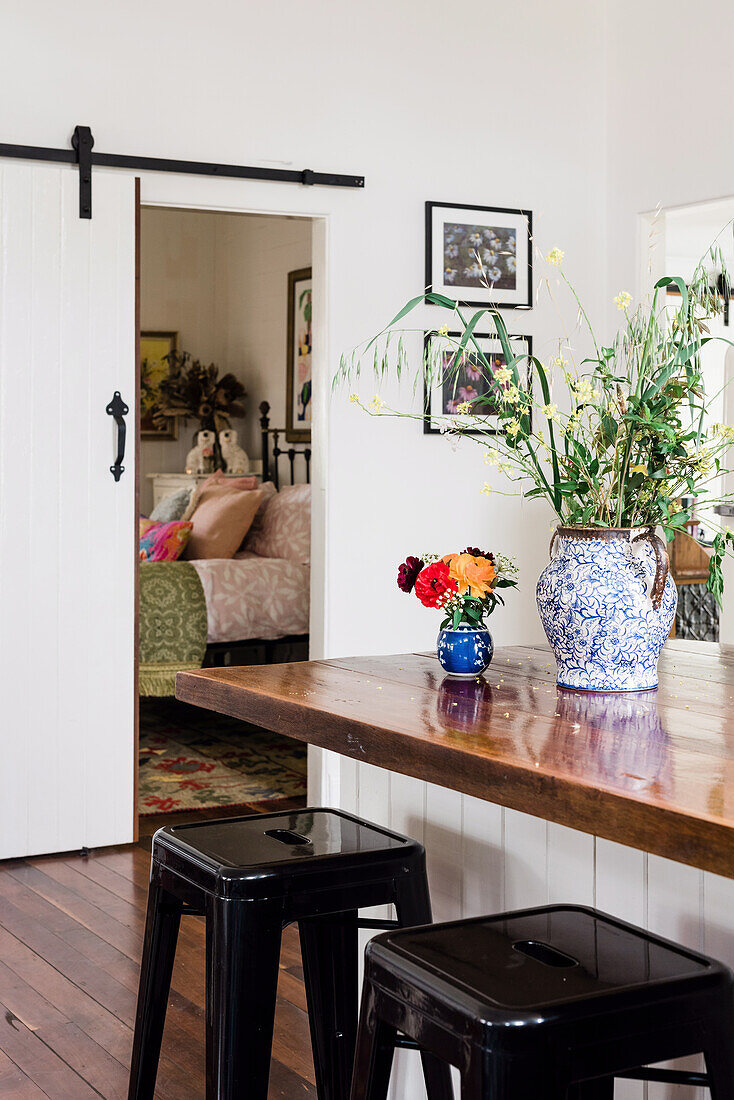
(250, 877)
(543, 1003)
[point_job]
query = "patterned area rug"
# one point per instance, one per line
(191, 759)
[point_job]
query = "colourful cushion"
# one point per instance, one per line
(163, 541)
(221, 520)
(286, 526)
(172, 507)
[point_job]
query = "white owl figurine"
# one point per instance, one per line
(196, 459)
(236, 459)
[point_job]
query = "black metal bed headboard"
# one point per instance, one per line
(270, 464)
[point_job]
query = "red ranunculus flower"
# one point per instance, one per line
(433, 583)
(408, 572)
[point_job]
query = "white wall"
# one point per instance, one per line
(398, 93)
(221, 282)
(665, 141)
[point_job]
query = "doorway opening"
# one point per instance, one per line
(224, 487)
(677, 240)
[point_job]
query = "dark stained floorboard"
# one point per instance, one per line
(70, 940)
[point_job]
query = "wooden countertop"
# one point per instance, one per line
(654, 770)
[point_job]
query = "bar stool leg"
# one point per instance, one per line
(159, 948)
(374, 1054)
(242, 957)
(511, 1079)
(413, 906)
(719, 1058)
(601, 1088)
(330, 953)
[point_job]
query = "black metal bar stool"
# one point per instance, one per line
(251, 876)
(543, 1004)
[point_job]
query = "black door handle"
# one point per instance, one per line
(118, 409)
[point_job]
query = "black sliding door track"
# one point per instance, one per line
(81, 154)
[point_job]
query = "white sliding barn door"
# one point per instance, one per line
(67, 538)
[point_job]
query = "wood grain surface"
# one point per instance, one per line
(71, 931)
(652, 770)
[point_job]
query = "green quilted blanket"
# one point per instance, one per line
(173, 624)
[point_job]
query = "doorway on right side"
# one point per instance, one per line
(679, 239)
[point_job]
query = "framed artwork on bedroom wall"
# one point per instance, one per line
(471, 382)
(480, 255)
(154, 346)
(298, 367)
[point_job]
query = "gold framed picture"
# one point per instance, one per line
(298, 370)
(154, 346)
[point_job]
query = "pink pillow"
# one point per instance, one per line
(286, 526)
(222, 519)
(163, 541)
(233, 484)
(268, 491)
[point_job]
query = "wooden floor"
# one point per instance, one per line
(70, 939)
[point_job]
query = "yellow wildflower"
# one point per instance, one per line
(560, 362)
(511, 395)
(354, 398)
(723, 431)
(503, 376)
(555, 257)
(550, 412)
(513, 427)
(486, 489)
(444, 330)
(492, 457)
(622, 300)
(463, 408)
(376, 404)
(584, 390)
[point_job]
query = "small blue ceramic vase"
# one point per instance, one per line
(466, 652)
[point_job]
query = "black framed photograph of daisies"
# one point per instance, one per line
(480, 255)
(455, 397)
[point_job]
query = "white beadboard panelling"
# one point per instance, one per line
(718, 917)
(482, 861)
(408, 806)
(526, 860)
(621, 881)
(675, 910)
(571, 861)
(374, 793)
(621, 889)
(407, 816)
(442, 839)
(67, 534)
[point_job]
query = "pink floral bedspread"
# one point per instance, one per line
(253, 597)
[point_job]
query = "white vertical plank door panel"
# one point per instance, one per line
(67, 536)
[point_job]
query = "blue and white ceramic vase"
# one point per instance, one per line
(607, 602)
(466, 652)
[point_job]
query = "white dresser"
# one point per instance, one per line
(165, 484)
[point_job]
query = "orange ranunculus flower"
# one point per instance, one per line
(474, 574)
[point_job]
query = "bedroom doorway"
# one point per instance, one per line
(223, 481)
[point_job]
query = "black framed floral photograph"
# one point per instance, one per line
(480, 255)
(455, 395)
